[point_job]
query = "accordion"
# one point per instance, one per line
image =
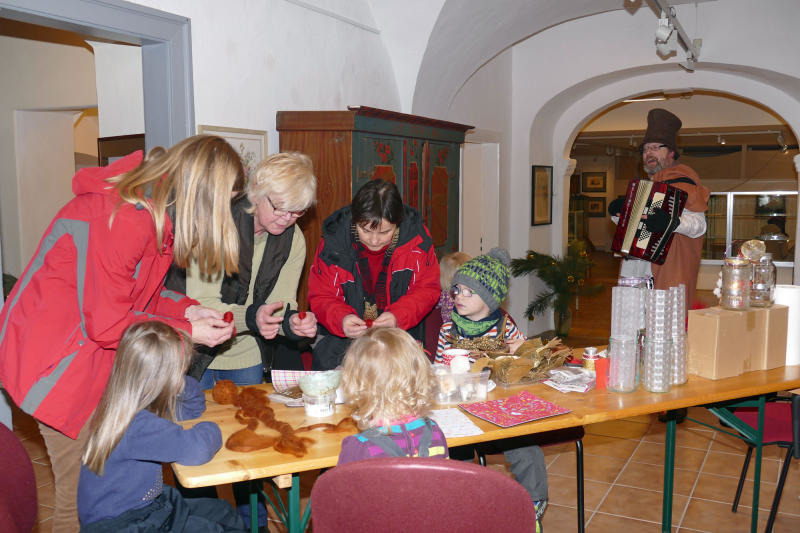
(633, 238)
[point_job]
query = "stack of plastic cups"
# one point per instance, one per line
(679, 372)
(627, 306)
(657, 349)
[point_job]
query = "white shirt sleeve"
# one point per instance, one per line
(693, 224)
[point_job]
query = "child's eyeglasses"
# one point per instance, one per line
(466, 292)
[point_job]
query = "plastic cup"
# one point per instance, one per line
(449, 354)
(319, 406)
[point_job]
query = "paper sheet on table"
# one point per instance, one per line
(569, 379)
(455, 423)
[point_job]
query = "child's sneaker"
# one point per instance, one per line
(540, 506)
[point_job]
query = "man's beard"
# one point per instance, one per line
(654, 170)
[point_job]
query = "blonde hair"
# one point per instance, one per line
(148, 371)
(448, 266)
(386, 376)
(196, 178)
(288, 175)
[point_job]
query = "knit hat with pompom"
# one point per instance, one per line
(487, 275)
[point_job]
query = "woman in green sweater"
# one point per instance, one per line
(262, 297)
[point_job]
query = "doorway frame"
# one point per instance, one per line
(166, 45)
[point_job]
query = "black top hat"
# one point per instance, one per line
(662, 127)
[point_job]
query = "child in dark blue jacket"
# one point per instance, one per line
(134, 430)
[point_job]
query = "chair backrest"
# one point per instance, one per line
(415, 494)
(18, 506)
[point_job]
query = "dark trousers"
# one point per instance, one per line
(171, 512)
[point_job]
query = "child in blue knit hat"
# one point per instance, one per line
(479, 287)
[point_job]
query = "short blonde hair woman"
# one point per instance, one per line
(101, 264)
(287, 179)
(389, 385)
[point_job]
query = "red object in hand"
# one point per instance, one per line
(369, 322)
(302, 315)
(228, 316)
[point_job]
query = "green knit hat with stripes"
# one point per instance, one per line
(487, 275)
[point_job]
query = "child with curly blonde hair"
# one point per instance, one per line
(389, 386)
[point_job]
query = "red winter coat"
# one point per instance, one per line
(335, 288)
(60, 327)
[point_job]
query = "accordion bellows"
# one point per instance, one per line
(633, 238)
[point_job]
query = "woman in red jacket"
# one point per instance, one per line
(375, 267)
(99, 267)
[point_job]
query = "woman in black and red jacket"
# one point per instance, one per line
(375, 267)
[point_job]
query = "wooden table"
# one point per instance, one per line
(589, 408)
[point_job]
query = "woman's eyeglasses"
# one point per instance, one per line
(284, 212)
(466, 292)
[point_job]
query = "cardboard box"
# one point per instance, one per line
(772, 352)
(723, 343)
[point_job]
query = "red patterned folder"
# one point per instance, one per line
(518, 409)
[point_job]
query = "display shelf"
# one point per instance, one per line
(735, 217)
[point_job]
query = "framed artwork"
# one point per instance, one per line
(250, 144)
(596, 206)
(771, 204)
(541, 195)
(593, 182)
(111, 148)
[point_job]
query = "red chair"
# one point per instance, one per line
(781, 427)
(415, 494)
(18, 506)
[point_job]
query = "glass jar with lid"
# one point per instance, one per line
(762, 289)
(737, 274)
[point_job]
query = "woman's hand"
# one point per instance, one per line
(303, 327)
(386, 320)
(208, 327)
(353, 326)
(269, 325)
(197, 312)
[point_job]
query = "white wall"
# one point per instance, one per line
(253, 58)
(120, 98)
(34, 75)
(45, 156)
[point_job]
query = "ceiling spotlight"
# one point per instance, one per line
(666, 36)
(720, 139)
(664, 29)
(632, 143)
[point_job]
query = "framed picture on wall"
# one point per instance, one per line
(593, 182)
(541, 195)
(596, 206)
(251, 145)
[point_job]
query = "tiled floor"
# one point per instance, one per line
(623, 465)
